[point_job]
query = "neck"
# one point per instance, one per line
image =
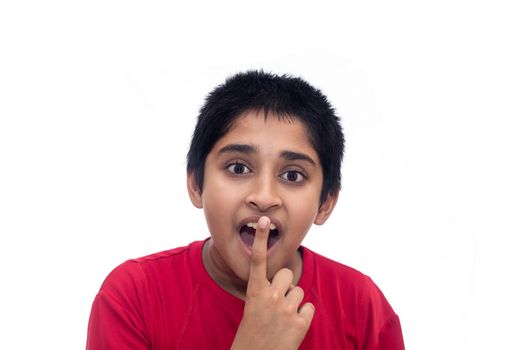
(221, 273)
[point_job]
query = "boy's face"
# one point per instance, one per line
(261, 167)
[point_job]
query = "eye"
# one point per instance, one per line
(293, 176)
(238, 168)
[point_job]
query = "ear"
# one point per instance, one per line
(326, 208)
(194, 190)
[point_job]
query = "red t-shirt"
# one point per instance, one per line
(168, 301)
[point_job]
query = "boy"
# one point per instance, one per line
(264, 164)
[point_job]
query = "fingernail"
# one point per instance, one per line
(263, 222)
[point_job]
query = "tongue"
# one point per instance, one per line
(272, 239)
(247, 235)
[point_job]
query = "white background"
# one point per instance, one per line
(97, 105)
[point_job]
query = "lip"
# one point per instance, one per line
(254, 218)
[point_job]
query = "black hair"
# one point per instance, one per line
(282, 95)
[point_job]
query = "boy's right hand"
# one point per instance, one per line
(273, 317)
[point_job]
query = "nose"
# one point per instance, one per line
(263, 194)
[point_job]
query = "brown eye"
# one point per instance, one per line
(238, 168)
(292, 176)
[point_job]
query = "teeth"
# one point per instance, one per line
(254, 225)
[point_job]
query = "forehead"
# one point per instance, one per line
(268, 132)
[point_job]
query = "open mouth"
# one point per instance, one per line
(247, 234)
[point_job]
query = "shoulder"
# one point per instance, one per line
(354, 294)
(355, 284)
(327, 271)
(138, 274)
(141, 298)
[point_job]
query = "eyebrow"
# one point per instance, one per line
(249, 149)
(237, 148)
(289, 155)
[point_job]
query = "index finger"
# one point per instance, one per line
(258, 267)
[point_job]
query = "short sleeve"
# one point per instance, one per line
(381, 325)
(116, 320)
(390, 337)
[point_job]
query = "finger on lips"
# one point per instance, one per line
(258, 275)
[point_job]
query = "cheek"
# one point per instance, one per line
(303, 218)
(306, 206)
(219, 204)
